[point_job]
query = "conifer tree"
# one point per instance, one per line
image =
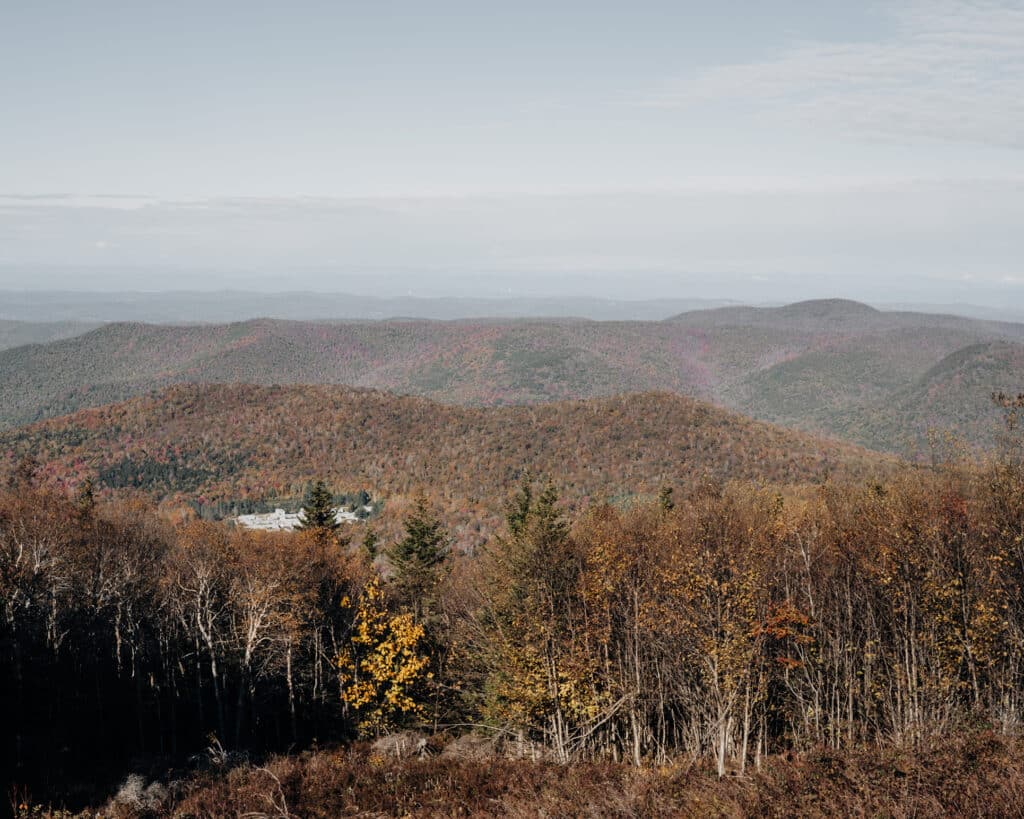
(517, 510)
(533, 586)
(417, 559)
(318, 512)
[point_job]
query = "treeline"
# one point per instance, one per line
(746, 621)
(723, 622)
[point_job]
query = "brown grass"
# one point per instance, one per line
(971, 775)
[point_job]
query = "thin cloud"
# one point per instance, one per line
(951, 71)
(75, 200)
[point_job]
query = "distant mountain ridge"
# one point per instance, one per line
(236, 305)
(231, 305)
(813, 309)
(831, 366)
(19, 333)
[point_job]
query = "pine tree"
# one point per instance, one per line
(417, 559)
(665, 502)
(539, 548)
(533, 584)
(517, 510)
(318, 512)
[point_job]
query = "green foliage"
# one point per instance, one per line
(168, 473)
(534, 679)
(370, 544)
(318, 511)
(221, 508)
(517, 510)
(418, 558)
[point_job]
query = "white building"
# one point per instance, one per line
(281, 521)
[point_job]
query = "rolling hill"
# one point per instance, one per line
(954, 394)
(18, 333)
(232, 442)
(833, 366)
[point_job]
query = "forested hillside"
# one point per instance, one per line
(836, 367)
(232, 442)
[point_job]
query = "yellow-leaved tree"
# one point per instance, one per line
(382, 667)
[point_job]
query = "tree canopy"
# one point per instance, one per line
(417, 558)
(318, 510)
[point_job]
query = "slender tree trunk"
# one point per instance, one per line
(291, 692)
(746, 730)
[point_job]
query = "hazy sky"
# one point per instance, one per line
(530, 147)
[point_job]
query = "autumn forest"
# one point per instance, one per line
(598, 410)
(716, 627)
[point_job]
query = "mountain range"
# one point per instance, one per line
(190, 307)
(877, 378)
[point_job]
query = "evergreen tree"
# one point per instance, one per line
(533, 587)
(665, 501)
(517, 510)
(318, 512)
(370, 545)
(539, 548)
(417, 559)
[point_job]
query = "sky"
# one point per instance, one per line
(641, 149)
